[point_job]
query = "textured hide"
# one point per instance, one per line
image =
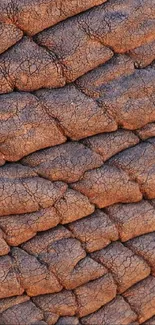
(77, 162)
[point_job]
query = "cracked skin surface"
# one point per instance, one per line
(77, 162)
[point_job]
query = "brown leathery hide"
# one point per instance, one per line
(77, 162)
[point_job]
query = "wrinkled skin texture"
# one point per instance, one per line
(77, 162)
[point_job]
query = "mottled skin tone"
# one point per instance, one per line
(77, 162)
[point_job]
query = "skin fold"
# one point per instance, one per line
(77, 162)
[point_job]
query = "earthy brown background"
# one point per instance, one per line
(77, 157)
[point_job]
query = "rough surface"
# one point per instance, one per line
(77, 162)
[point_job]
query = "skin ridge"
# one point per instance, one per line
(77, 162)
